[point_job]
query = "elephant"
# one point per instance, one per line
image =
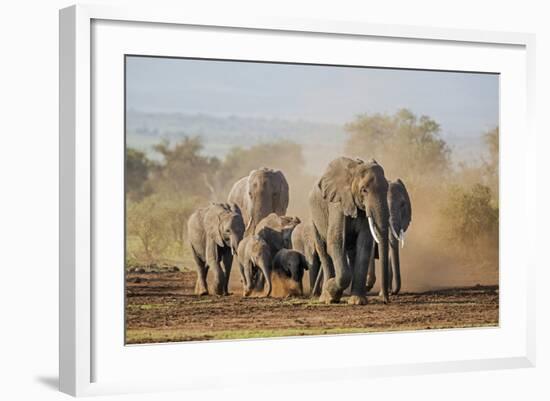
(262, 192)
(400, 207)
(303, 240)
(287, 273)
(215, 232)
(254, 254)
(349, 210)
(277, 231)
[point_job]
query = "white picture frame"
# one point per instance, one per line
(81, 346)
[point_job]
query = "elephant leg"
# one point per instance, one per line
(318, 283)
(227, 261)
(327, 269)
(351, 260)
(218, 276)
(334, 286)
(390, 280)
(243, 277)
(201, 287)
(371, 274)
(260, 281)
(363, 250)
(314, 271)
(247, 278)
(390, 275)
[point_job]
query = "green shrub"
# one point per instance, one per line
(156, 227)
(470, 218)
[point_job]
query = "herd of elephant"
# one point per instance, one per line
(356, 216)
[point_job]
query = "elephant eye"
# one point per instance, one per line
(364, 190)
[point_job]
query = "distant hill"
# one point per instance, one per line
(221, 133)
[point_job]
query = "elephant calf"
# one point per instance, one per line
(214, 234)
(254, 255)
(287, 273)
(303, 241)
(277, 231)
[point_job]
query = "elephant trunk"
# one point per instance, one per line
(234, 244)
(261, 207)
(395, 265)
(250, 227)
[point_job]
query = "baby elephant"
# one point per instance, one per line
(303, 240)
(214, 235)
(277, 231)
(254, 255)
(287, 274)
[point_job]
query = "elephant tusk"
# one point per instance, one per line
(402, 238)
(371, 226)
(232, 251)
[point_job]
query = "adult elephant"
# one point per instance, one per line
(262, 192)
(399, 204)
(214, 234)
(349, 209)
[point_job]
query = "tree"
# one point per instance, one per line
(491, 165)
(471, 217)
(138, 167)
(284, 155)
(183, 170)
(146, 221)
(407, 146)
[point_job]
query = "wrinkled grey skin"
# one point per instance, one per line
(254, 254)
(400, 207)
(214, 234)
(349, 192)
(277, 231)
(262, 192)
(291, 263)
(303, 240)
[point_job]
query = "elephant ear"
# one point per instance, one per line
(408, 215)
(212, 223)
(335, 184)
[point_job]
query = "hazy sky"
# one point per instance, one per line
(464, 104)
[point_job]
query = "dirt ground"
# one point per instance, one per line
(161, 307)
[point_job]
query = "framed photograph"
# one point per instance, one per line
(309, 200)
